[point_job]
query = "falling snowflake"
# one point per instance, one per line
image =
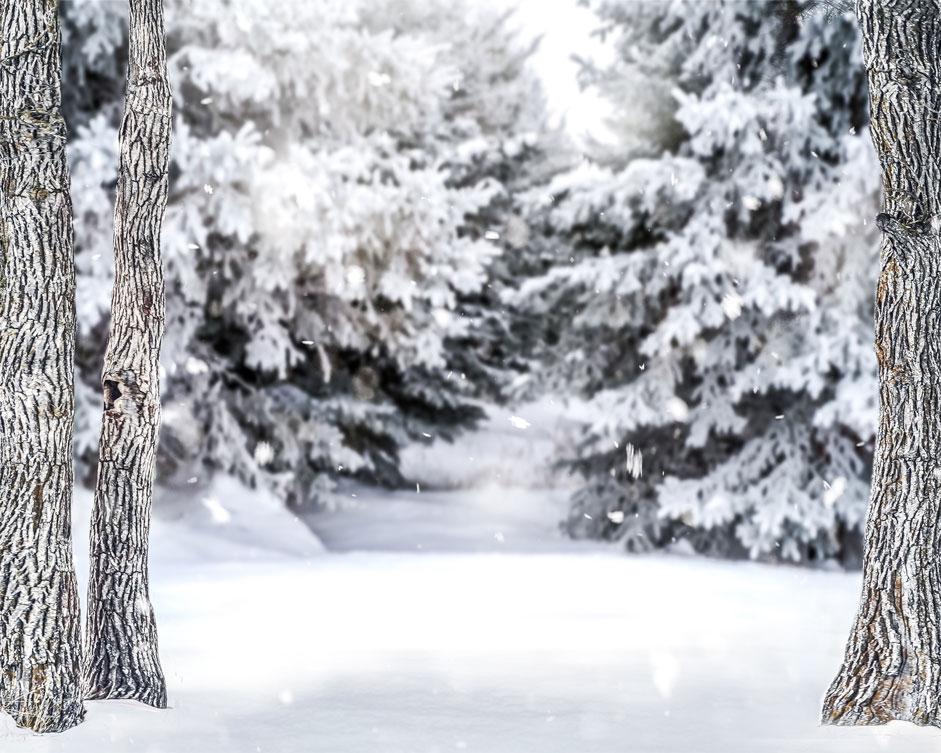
(519, 422)
(832, 492)
(355, 275)
(219, 514)
(776, 187)
(196, 366)
(264, 453)
(677, 409)
(376, 78)
(664, 670)
(732, 305)
(635, 461)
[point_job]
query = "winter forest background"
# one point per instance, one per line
(500, 333)
(378, 235)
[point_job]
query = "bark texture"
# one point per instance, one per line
(40, 682)
(122, 660)
(892, 666)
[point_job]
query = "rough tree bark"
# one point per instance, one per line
(121, 637)
(892, 666)
(40, 682)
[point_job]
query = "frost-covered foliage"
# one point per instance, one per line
(341, 174)
(94, 55)
(712, 289)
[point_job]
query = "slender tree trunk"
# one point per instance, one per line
(892, 667)
(121, 646)
(40, 683)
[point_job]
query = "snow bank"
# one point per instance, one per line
(225, 522)
(230, 522)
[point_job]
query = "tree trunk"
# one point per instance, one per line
(121, 646)
(40, 683)
(892, 667)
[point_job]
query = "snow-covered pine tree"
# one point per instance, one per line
(94, 57)
(711, 300)
(331, 229)
(499, 122)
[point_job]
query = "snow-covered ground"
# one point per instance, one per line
(529, 644)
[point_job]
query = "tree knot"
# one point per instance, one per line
(122, 393)
(905, 227)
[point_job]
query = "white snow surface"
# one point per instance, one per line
(532, 644)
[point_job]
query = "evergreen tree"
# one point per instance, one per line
(710, 298)
(94, 55)
(331, 231)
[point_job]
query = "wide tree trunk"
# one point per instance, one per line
(892, 667)
(121, 640)
(40, 682)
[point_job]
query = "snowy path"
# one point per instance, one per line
(515, 650)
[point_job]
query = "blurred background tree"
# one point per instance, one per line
(712, 297)
(375, 235)
(342, 177)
